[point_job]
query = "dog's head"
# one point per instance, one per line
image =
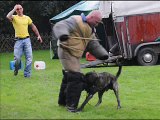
(90, 78)
(95, 79)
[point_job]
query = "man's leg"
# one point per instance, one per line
(69, 62)
(73, 91)
(28, 56)
(62, 93)
(74, 86)
(18, 51)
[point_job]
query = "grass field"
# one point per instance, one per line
(36, 97)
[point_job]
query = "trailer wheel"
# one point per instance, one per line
(147, 56)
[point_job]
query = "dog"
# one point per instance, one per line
(100, 82)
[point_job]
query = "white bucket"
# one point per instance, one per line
(39, 65)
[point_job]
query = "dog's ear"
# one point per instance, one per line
(90, 77)
(96, 77)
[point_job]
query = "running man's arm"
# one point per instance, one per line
(9, 15)
(35, 30)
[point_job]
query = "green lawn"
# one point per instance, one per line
(36, 97)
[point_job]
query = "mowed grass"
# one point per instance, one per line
(36, 97)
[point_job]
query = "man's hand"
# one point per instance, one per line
(64, 37)
(40, 39)
(16, 6)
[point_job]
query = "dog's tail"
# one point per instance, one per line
(119, 71)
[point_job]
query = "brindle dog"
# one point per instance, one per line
(101, 82)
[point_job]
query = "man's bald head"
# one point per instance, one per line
(94, 18)
(95, 13)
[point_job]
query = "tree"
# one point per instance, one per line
(39, 11)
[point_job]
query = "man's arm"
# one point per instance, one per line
(63, 28)
(35, 30)
(9, 15)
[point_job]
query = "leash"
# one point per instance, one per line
(70, 47)
(84, 38)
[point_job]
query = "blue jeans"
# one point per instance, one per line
(24, 47)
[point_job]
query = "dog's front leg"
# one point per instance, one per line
(85, 102)
(100, 94)
(117, 96)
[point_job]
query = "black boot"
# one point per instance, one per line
(17, 66)
(62, 93)
(73, 90)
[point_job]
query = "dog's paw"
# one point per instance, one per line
(97, 105)
(78, 110)
(118, 107)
